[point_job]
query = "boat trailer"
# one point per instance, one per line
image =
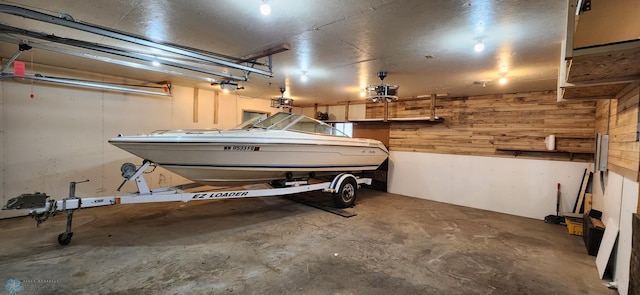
(343, 188)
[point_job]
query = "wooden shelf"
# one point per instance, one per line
(542, 153)
(601, 71)
(606, 62)
(597, 91)
(413, 119)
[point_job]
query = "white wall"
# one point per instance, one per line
(357, 111)
(515, 186)
(336, 113)
(1, 143)
(61, 134)
(308, 111)
(618, 202)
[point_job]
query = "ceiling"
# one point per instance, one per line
(426, 47)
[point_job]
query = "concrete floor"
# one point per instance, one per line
(395, 245)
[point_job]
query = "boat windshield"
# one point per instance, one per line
(249, 123)
(268, 122)
(295, 122)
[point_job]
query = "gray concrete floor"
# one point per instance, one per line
(395, 245)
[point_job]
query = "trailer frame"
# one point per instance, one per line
(343, 188)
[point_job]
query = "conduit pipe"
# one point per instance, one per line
(90, 84)
(69, 22)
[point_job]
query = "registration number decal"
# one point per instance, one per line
(242, 148)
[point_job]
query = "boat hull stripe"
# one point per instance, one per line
(268, 166)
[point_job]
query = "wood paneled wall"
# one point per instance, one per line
(489, 124)
(619, 118)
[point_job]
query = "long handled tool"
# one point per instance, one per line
(556, 219)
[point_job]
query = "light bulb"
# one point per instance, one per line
(155, 63)
(503, 80)
(362, 94)
(478, 47)
(225, 90)
(265, 8)
(304, 78)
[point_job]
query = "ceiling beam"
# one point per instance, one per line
(267, 52)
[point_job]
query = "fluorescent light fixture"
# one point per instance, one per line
(265, 8)
(166, 89)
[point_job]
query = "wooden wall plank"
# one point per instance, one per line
(602, 116)
(481, 125)
(619, 119)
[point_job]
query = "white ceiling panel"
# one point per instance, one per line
(340, 45)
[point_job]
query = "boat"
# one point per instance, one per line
(284, 146)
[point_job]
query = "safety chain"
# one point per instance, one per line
(42, 217)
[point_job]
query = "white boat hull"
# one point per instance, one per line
(237, 162)
(257, 154)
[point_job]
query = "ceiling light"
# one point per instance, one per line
(482, 82)
(155, 63)
(503, 80)
(265, 8)
(304, 77)
(228, 86)
(479, 46)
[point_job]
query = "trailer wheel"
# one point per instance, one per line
(346, 195)
(278, 183)
(65, 238)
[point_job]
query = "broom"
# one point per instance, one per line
(556, 219)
